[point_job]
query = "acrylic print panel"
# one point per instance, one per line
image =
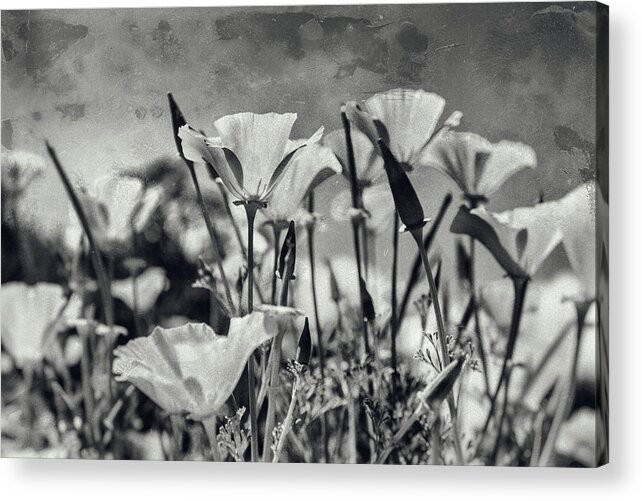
(325, 234)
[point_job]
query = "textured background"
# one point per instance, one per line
(93, 82)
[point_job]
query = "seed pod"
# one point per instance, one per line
(406, 200)
(335, 293)
(287, 258)
(178, 120)
(304, 348)
(442, 385)
(368, 304)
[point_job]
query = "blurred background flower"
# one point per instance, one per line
(30, 316)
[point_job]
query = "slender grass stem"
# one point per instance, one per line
(356, 224)
(99, 267)
(564, 408)
(393, 306)
(478, 336)
(274, 364)
(415, 272)
(214, 238)
(520, 286)
(317, 321)
(287, 423)
(502, 418)
(250, 210)
(443, 343)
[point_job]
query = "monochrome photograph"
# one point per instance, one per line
(347, 234)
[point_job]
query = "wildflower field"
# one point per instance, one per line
(253, 294)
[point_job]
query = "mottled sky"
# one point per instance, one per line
(94, 82)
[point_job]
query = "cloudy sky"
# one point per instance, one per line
(94, 82)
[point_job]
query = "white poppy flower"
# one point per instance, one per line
(191, 369)
(251, 153)
(28, 316)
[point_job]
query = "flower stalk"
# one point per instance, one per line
(177, 122)
(356, 223)
(520, 286)
(394, 322)
(285, 271)
(315, 302)
(250, 211)
(411, 214)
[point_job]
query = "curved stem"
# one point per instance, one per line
(216, 246)
(315, 303)
(356, 233)
(393, 305)
(415, 271)
(287, 423)
(478, 336)
(99, 267)
(520, 285)
(274, 364)
(443, 343)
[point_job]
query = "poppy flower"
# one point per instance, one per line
(149, 285)
(404, 119)
(477, 166)
(579, 220)
(377, 203)
(251, 153)
(368, 161)
(29, 314)
(308, 168)
(519, 239)
(191, 369)
(117, 206)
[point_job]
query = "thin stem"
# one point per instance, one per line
(478, 336)
(274, 364)
(315, 303)
(99, 267)
(216, 246)
(356, 204)
(443, 343)
(415, 272)
(228, 211)
(520, 285)
(287, 423)
(87, 390)
(502, 418)
(209, 425)
(435, 442)
(393, 305)
(250, 210)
